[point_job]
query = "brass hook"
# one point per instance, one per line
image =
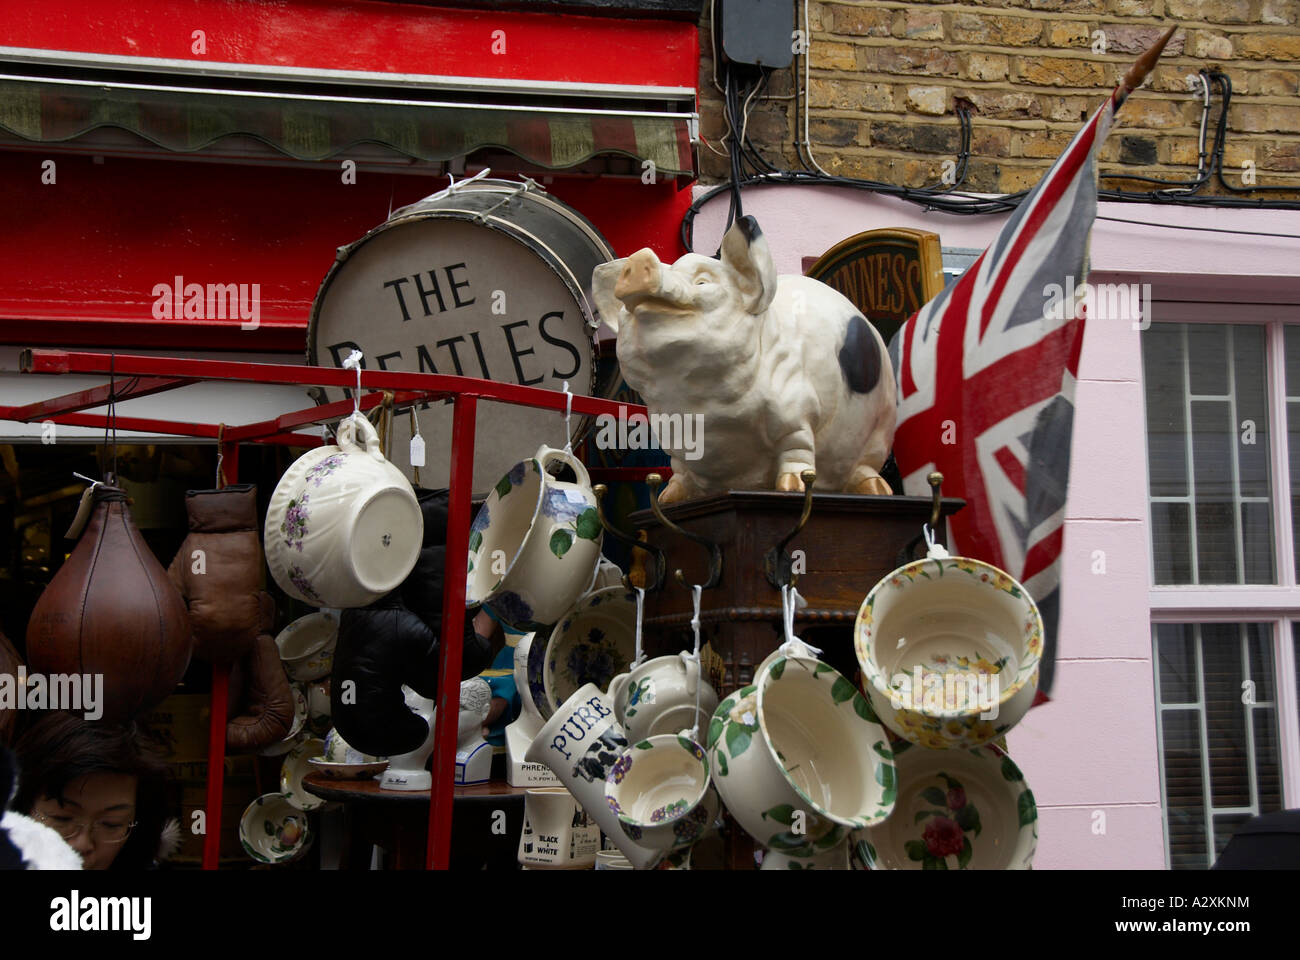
(777, 564)
(935, 480)
(660, 561)
(653, 480)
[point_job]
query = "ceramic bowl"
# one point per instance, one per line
(318, 707)
(957, 810)
(537, 675)
(800, 759)
(659, 697)
(835, 858)
(307, 646)
(657, 789)
(949, 650)
(346, 771)
(338, 751)
(534, 543)
(296, 730)
(343, 527)
(294, 768)
(273, 831)
(594, 642)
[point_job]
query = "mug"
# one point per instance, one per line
(949, 649)
(659, 790)
(581, 743)
(800, 760)
(557, 832)
(343, 527)
(659, 697)
(534, 543)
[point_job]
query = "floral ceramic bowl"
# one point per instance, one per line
(957, 810)
(307, 646)
(273, 831)
(949, 650)
(343, 527)
(594, 643)
(337, 750)
(537, 675)
(294, 768)
(346, 771)
(659, 790)
(534, 543)
(800, 758)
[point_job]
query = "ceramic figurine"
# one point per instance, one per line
(406, 772)
(473, 753)
(783, 372)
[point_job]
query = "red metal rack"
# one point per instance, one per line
(137, 376)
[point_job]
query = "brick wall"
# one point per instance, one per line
(884, 76)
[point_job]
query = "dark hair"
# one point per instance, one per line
(60, 747)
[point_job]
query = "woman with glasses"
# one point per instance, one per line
(101, 787)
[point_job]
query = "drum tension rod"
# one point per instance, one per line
(660, 561)
(777, 563)
(654, 480)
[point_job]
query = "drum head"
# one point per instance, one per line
(437, 291)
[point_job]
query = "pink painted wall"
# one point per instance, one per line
(1091, 754)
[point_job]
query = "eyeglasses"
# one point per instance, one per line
(101, 831)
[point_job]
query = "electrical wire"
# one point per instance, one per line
(946, 198)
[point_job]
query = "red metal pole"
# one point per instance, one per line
(461, 488)
(217, 718)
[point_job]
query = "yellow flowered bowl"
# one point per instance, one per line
(949, 649)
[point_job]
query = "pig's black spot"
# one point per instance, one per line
(749, 227)
(860, 357)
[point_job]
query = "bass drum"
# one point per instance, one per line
(489, 279)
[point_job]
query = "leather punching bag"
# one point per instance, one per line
(112, 610)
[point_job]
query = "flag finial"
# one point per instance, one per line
(1146, 63)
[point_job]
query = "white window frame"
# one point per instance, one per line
(1277, 605)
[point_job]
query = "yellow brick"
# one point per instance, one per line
(1263, 46)
(932, 101)
(1069, 33)
(1214, 11)
(1264, 117)
(850, 95)
(1133, 8)
(1047, 144)
(987, 66)
(1212, 45)
(825, 55)
(999, 31)
(860, 21)
(1015, 179)
(1152, 113)
(1061, 72)
(1276, 83)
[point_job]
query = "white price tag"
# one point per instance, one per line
(417, 451)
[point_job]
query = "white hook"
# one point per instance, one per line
(353, 362)
(695, 626)
(640, 608)
(933, 550)
(568, 415)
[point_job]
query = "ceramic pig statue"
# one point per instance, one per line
(785, 373)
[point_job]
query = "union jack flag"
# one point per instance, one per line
(986, 377)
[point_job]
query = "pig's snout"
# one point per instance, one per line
(641, 276)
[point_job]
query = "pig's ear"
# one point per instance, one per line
(603, 279)
(745, 250)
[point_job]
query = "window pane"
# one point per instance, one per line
(1215, 376)
(1169, 526)
(1219, 723)
(1252, 411)
(1176, 659)
(1162, 361)
(1184, 789)
(1207, 351)
(1292, 334)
